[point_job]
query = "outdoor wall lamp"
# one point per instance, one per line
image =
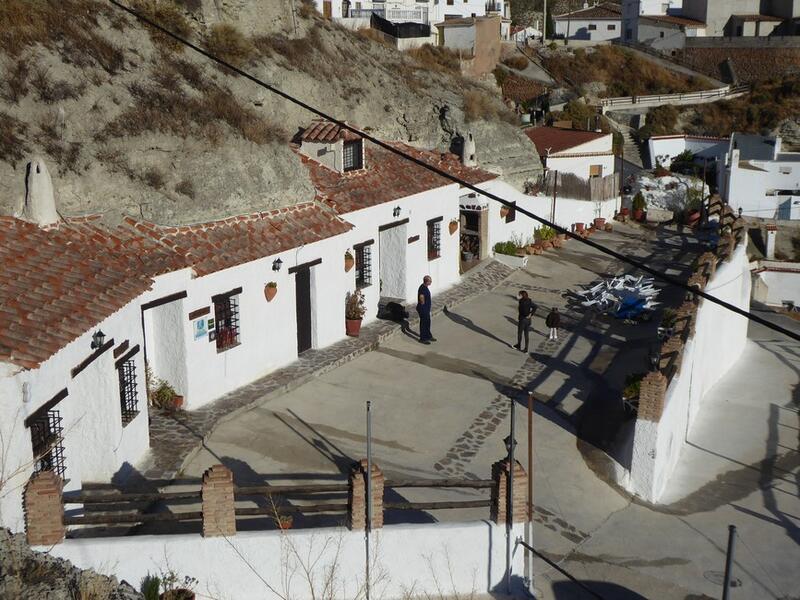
(510, 443)
(276, 264)
(654, 357)
(98, 337)
(396, 211)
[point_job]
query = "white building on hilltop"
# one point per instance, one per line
(597, 23)
(760, 179)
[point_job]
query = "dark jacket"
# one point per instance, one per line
(526, 308)
(425, 293)
(553, 320)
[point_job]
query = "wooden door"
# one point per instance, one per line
(327, 11)
(303, 305)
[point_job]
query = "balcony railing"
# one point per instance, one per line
(395, 15)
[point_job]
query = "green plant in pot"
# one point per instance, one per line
(633, 386)
(354, 311)
(165, 397)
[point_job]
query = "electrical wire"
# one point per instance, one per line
(388, 147)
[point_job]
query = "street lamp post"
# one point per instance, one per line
(510, 443)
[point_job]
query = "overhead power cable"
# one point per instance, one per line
(442, 173)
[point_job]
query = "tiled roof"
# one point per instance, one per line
(604, 10)
(675, 20)
(555, 139)
(210, 247)
(521, 89)
(325, 131)
(767, 18)
(58, 283)
(387, 177)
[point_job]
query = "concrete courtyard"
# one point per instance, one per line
(443, 410)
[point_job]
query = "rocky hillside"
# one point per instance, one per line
(130, 122)
(36, 575)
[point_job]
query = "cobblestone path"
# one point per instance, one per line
(174, 438)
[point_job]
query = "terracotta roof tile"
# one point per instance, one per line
(605, 10)
(675, 20)
(58, 283)
(555, 139)
(325, 131)
(387, 177)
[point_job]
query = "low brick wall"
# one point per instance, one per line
(708, 340)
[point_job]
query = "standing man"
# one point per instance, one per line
(424, 311)
(525, 312)
(553, 321)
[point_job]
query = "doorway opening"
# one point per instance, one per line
(393, 241)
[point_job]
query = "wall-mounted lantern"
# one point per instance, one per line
(396, 211)
(276, 264)
(97, 339)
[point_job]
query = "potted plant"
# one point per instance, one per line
(503, 212)
(354, 313)
(284, 521)
(599, 223)
(270, 290)
(164, 396)
(349, 261)
(624, 211)
(453, 226)
(630, 393)
(639, 206)
(579, 227)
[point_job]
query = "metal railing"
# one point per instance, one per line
(680, 98)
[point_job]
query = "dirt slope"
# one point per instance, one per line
(129, 122)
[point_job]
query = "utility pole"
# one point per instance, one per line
(726, 585)
(529, 522)
(510, 443)
(544, 24)
(368, 494)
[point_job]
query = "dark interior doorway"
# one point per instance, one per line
(302, 280)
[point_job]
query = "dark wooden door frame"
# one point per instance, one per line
(302, 286)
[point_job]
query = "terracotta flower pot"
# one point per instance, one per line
(177, 402)
(599, 223)
(352, 327)
(349, 261)
(579, 227)
(625, 212)
(503, 211)
(285, 522)
(453, 227)
(692, 218)
(547, 244)
(270, 292)
(638, 213)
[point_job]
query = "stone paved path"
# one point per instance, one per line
(175, 438)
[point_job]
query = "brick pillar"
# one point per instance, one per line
(44, 510)
(651, 396)
(671, 351)
(219, 517)
(686, 314)
(499, 506)
(357, 498)
(697, 280)
(709, 259)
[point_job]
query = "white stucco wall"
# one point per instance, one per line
(665, 148)
(96, 445)
(751, 186)
(579, 29)
(454, 559)
(580, 165)
(780, 285)
(460, 38)
(719, 340)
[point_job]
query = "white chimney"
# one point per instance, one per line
(39, 205)
(772, 234)
(468, 151)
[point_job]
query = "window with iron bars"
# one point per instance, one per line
(363, 265)
(128, 396)
(434, 238)
(226, 321)
(352, 155)
(48, 448)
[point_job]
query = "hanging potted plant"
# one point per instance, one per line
(349, 261)
(453, 226)
(354, 313)
(503, 212)
(284, 521)
(270, 290)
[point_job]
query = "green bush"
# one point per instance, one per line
(639, 202)
(508, 248)
(633, 385)
(545, 233)
(669, 317)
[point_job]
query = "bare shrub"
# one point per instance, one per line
(64, 154)
(185, 187)
(13, 145)
(154, 178)
(16, 83)
(190, 5)
(436, 58)
(307, 9)
(54, 91)
(516, 61)
(223, 105)
(374, 35)
(479, 105)
(191, 73)
(170, 17)
(229, 44)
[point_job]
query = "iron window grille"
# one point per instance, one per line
(226, 321)
(434, 238)
(47, 442)
(363, 265)
(128, 396)
(352, 155)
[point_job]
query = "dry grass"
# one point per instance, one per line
(49, 91)
(170, 17)
(16, 82)
(69, 27)
(154, 178)
(64, 154)
(374, 35)
(436, 58)
(516, 61)
(623, 72)
(229, 44)
(185, 187)
(13, 144)
(480, 106)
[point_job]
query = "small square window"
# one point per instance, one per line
(47, 442)
(592, 27)
(128, 395)
(612, 27)
(785, 170)
(363, 265)
(352, 155)
(434, 238)
(226, 321)
(661, 34)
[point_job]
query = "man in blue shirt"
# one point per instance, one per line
(424, 311)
